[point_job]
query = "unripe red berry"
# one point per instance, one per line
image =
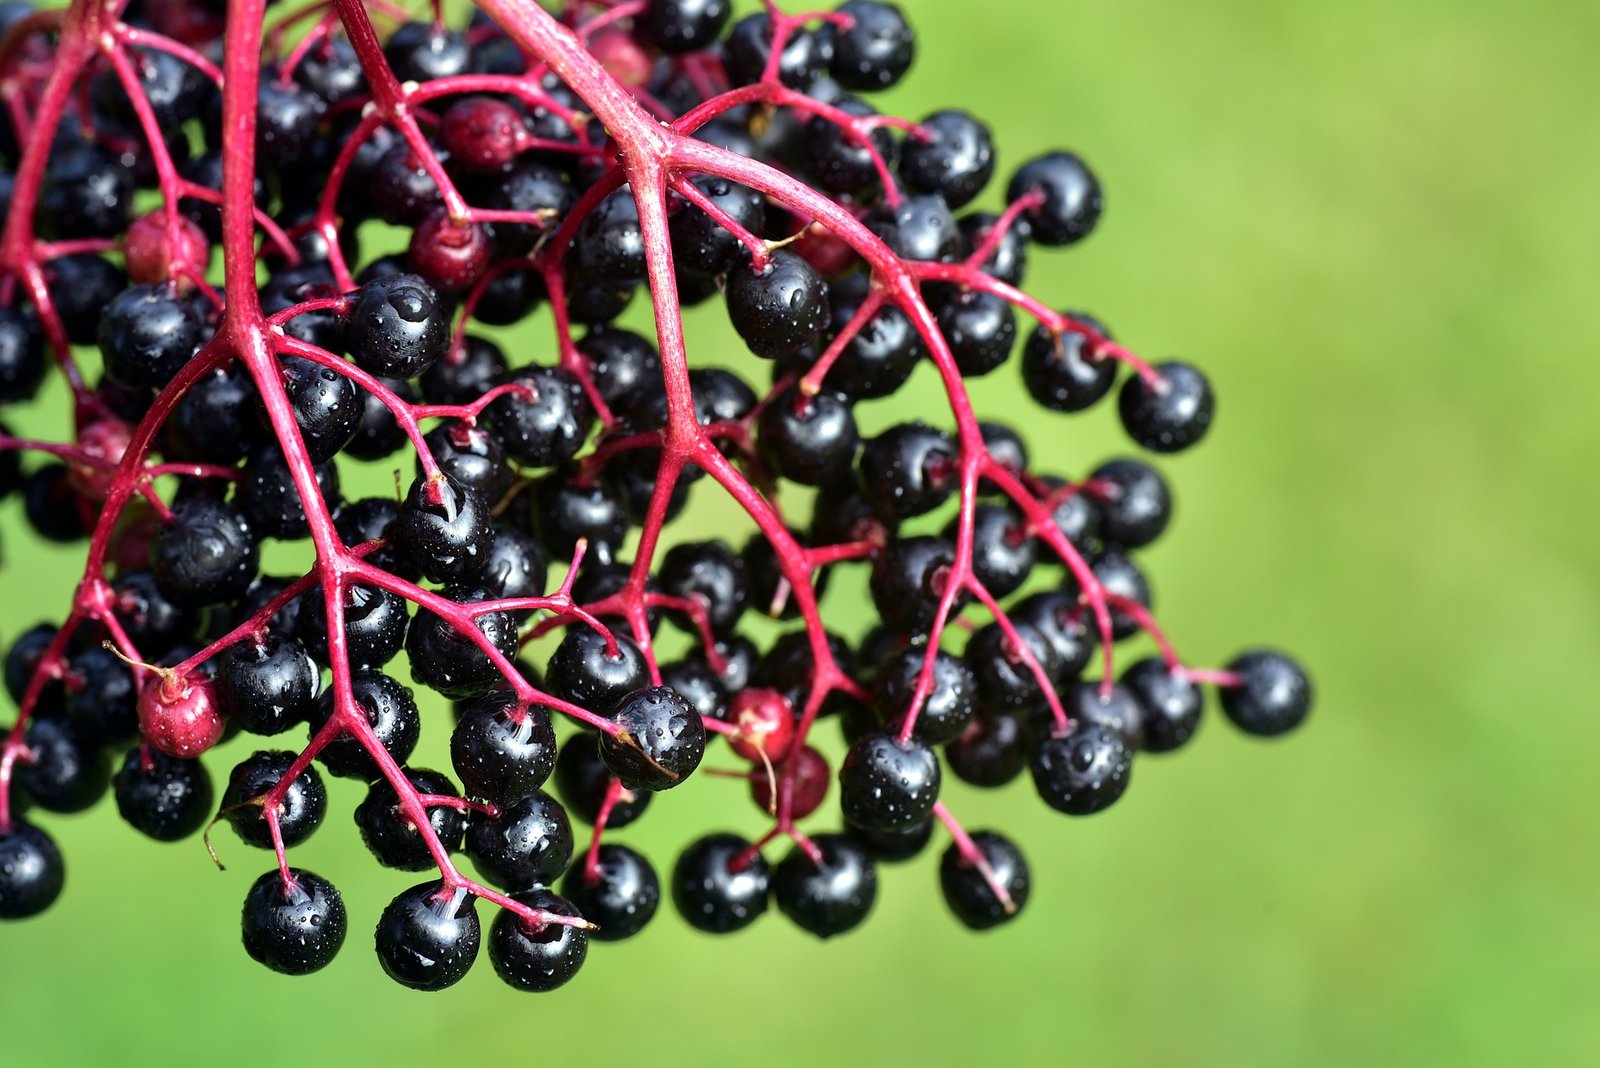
(181, 716)
(104, 440)
(766, 725)
(482, 135)
(811, 775)
(153, 255)
(451, 255)
(623, 57)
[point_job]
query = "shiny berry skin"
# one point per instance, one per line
(427, 937)
(766, 723)
(1082, 772)
(837, 161)
(980, 329)
(567, 509)
(920, 227)
(267, 496)
(481, 134)
(299, 813)
(516, 568)
(702, 245)
(886, 786)
(956, 161)
(397, 327)
(699, 685)
(968, 894)
(181, 715)
(444, 530)
(991, 751)
(163, 797)
(31, 871)
(908, 470)
(327, 406)
(286, 125)
(1009, 260)
(894, 847)
(875, 50)
(269, 685)
(423, 51)
(67, 772)
(102, 698)
(148, 332)
(712, 574)
(536, 959)
(678, 26)
(402, 191)
(548, 426)
(295, 929)
(777, 310)
(1003, 554)
(586, 672)
(583, 779)
(829, 898)
(1072, 198)
(528, 844)
(908, 580)
(745, 50)
(621, 899)
(709, 895)
(881, 356)
(809, 440)
(1170, 704)
(22, 355)
(1135, 505)
(215, 421)
(532, 186)
(449, 662)
(87, 193)
(1171, 417)
(82, 285)
(660, 741)
(499, 757)
(1062, 371)
(949, 705)
(1116, 710)
(472, 456)
(389, 833)
(1273, 695)
(375, 625)
(391, 712)
(451, 255)
(463, 375)
(1121, 577)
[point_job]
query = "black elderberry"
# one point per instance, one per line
(1072, 198)
(840, 163)
(660, 741)
(31, 871)
(879, 359)
(830, 897)
(269, 685)
(1171, 415)
(908, 470)
(875, 50)
(300, 812)
(448, 661)
(294, 927)
(583, 781)
(591, 674)
(954, 159)
(949, 704)
(711, 574)
(549, 424)
(375, 623)
(373, 519)
(1009, 260)
(697, 684)
(1082, 772)
(327, 406)
(702, 245)
(569, 508)
(444, 530)
(388, 831)
(529, 843)
(427, 937)
(499, 754)
(1003, 553)
(1134, 502)
(391, 712)
(148, 332)
(267, 495)
(153, 622)
(991, 751)
(537, 959)
(886, 786)
(1062, 371)
(397, 327)
(745, 51)
(287, 117)
(1273, 695)
(894, 847)
(621, 898)
(778, 309)
(471, 455)
(215, 419)
(102, 699)
(464, 374)
(609, 246)
(1169, 702)
(423, 51)
(67, 773)
(710, 895)
(82, 285)
(809, 440)
(163, 797)
(909, 580)
(1121, 577)
(920, 227)
(22, 357)
(677, 26)
(980, 329)
(967, 889)
(1114, 708)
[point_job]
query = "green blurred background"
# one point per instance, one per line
(1373, 223)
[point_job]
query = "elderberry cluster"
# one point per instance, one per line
(413, 186)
